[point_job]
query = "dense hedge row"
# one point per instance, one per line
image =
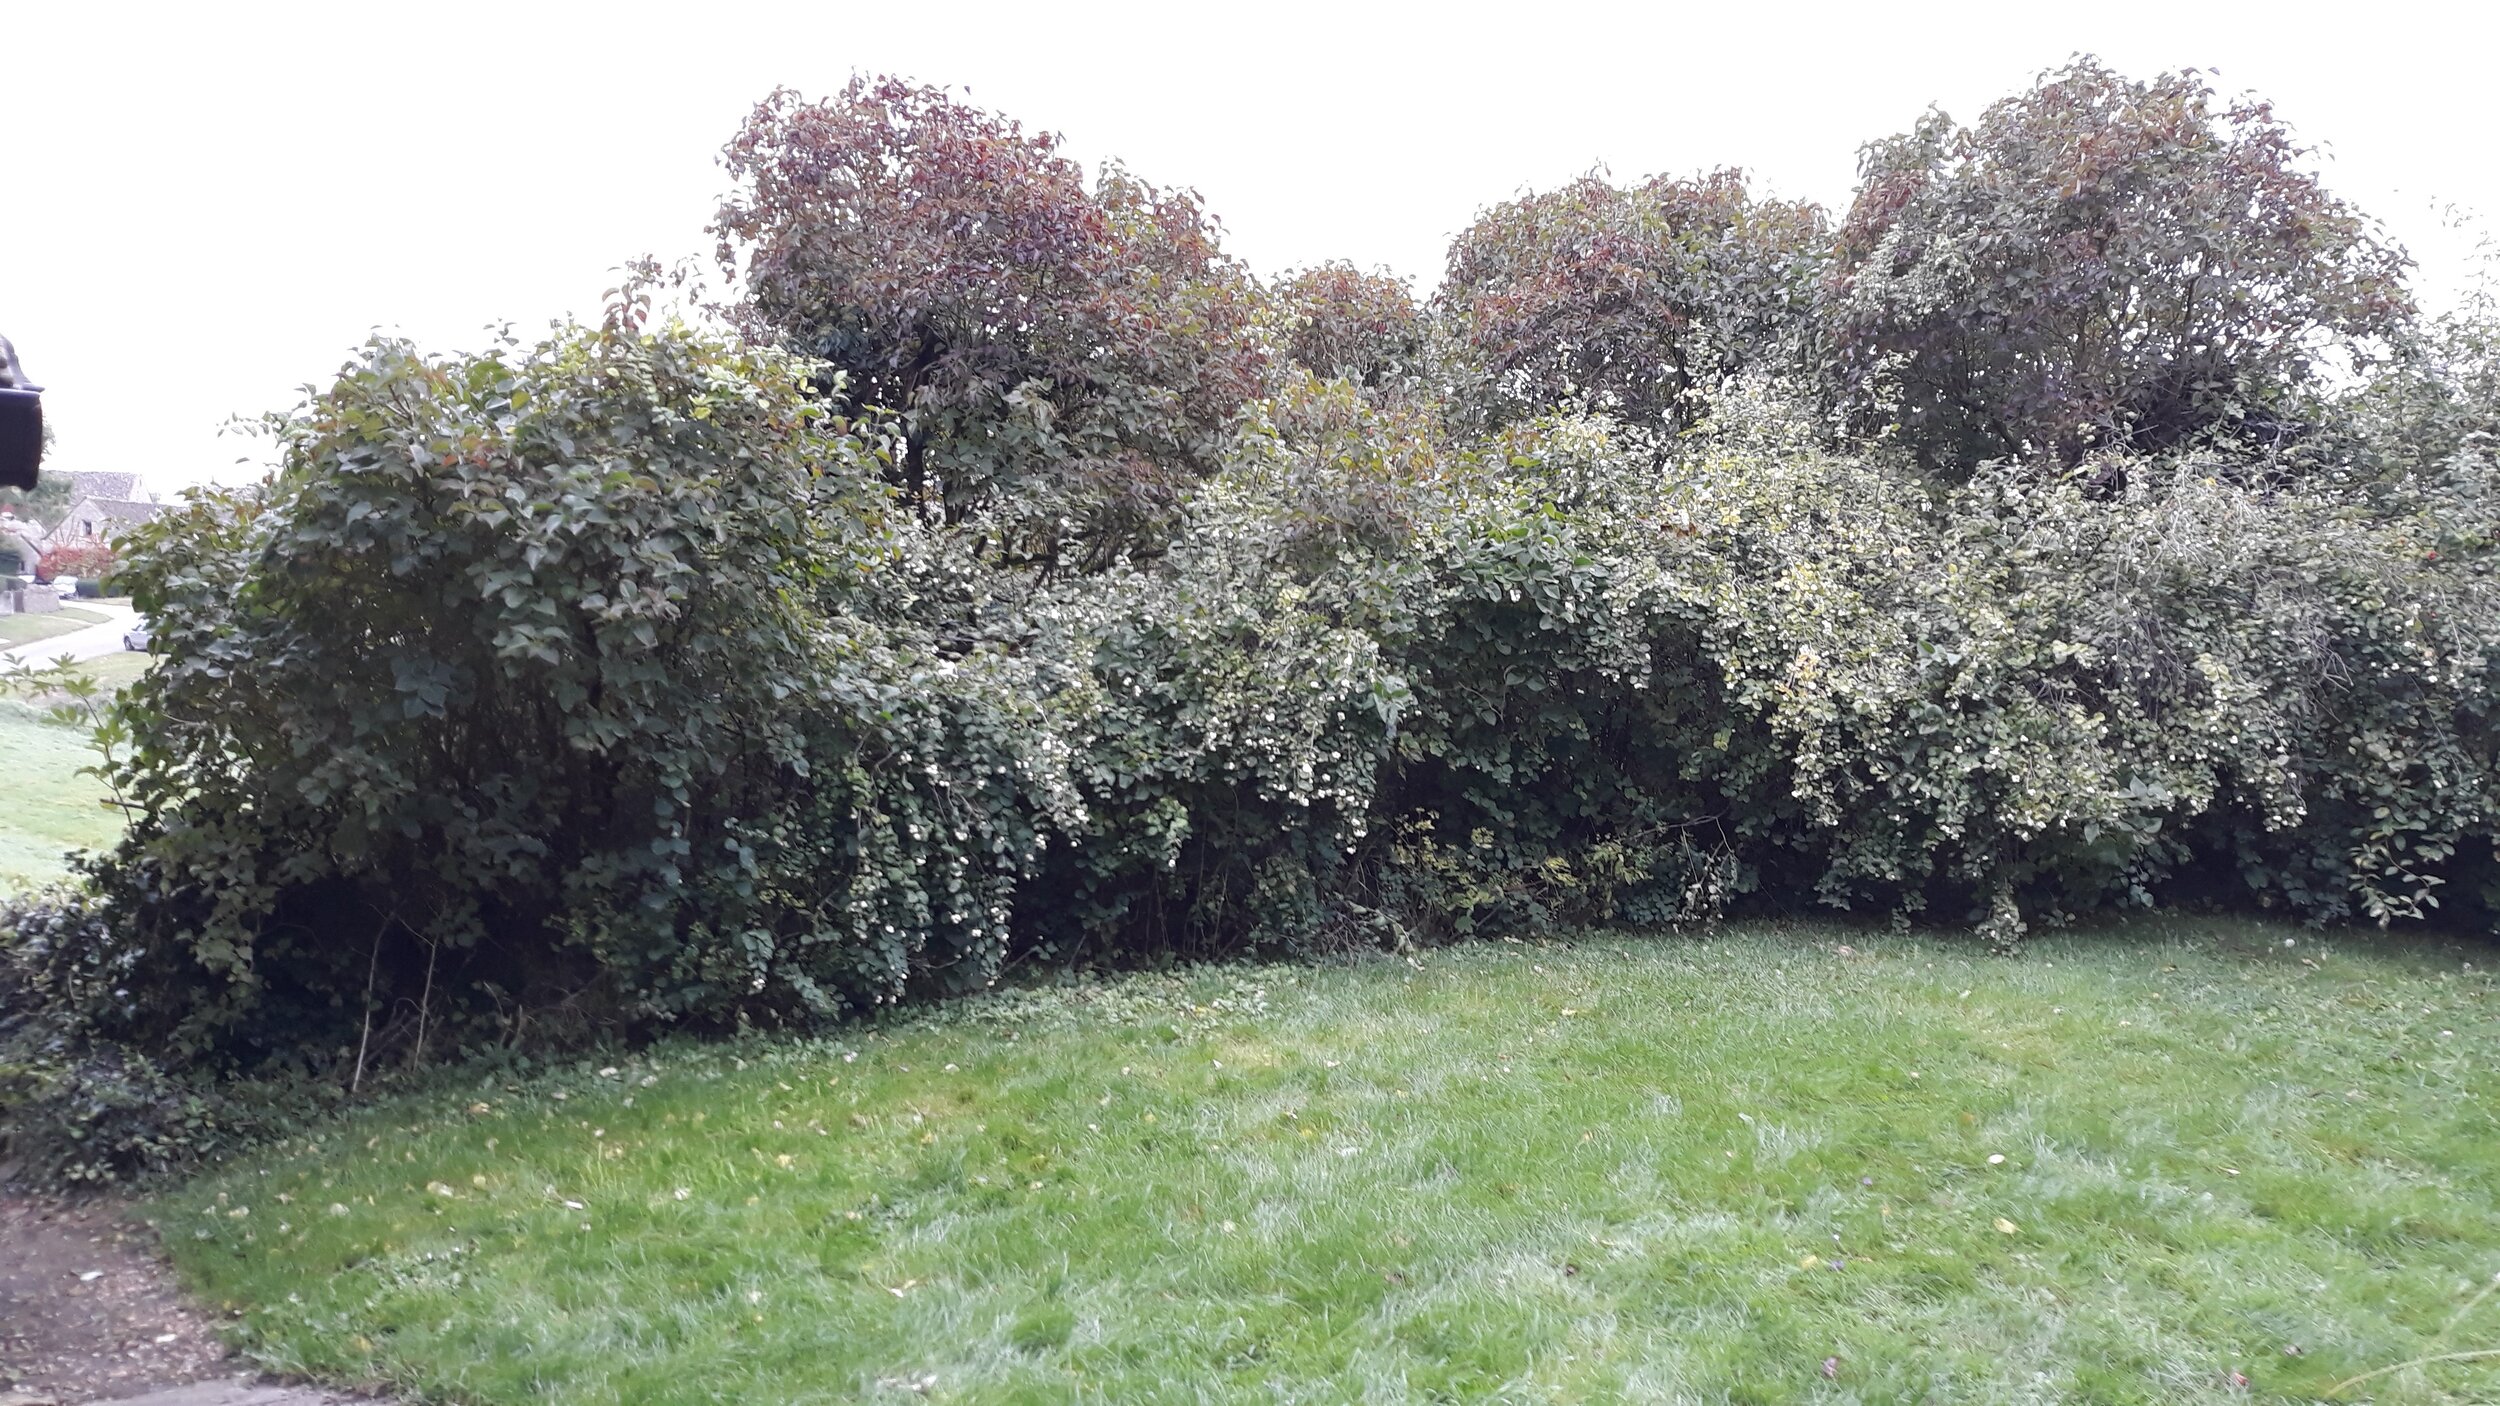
(652, 676)
(597, 686)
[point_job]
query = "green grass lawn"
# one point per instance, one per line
(46, 808)
(2119, 1168)
(115, 671)
(16, 629)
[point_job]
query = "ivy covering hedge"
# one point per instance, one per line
(652, 676)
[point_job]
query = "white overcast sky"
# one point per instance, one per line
(207, 206)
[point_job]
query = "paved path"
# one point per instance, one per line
(77, 644)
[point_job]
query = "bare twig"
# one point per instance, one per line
(365, 1039)
(425, 1003)
(2416, 1362)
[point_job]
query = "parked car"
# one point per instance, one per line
(65, 586)
(136, 640)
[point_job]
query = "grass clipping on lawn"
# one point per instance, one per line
(2178, 1162)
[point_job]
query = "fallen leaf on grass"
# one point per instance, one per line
(2006, 1227)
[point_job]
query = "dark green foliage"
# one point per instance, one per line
(528, 694)
(503, 650)
(77, 1109)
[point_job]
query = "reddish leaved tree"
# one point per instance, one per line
(1351, 325)
(2099, 262)
(1065, 359)
(1633, 301)
(88, 561)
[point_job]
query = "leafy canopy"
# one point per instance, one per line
(1356, 326)
(1634, 302)
(2100, 263)
(1064, 359)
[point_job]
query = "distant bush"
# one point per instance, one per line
(86, 561)
(1062, 361)
(1345, 324)
(1638, 303)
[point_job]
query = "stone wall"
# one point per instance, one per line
(28, 599)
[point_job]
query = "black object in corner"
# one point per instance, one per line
(21, 422)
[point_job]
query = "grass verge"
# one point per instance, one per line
(16, 629)
(2182, 1162)
(115, 671)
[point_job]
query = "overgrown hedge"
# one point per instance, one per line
(598, 687)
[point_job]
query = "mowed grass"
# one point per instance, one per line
(17, 629)
(115, 671)
(2122, 1167)
(46, 808)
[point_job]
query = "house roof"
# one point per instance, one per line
(120, 487)
(100, 510)
(119, 509)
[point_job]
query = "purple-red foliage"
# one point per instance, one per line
(1060, 354)
(1635, 301)
(2099, 262)
(1361, 327)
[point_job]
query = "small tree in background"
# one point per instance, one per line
(91, 561)
(47, 502)
(1632, 302)
(1355, 326)
(1064, 359)
(2100, 263)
